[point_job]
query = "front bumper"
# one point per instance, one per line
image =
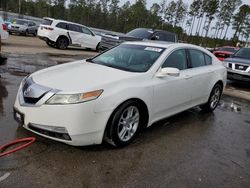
(79, 121)
(237, 75)
(21, 31)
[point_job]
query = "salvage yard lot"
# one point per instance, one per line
(191, 149)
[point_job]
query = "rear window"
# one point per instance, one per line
(61, 25)
(47, 22)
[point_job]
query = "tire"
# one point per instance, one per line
(124, 124)
(35, 33)
(10, 33)
(62, 43)
(213, 100)
(26, 33)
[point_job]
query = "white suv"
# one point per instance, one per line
(3, 29)
(61, 34)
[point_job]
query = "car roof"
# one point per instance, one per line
(162, 44)
(156, 30)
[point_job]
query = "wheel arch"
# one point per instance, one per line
(143, 108)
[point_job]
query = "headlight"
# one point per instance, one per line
(74, 98)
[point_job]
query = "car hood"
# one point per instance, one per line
(79, 76)
(121, 37)
(238, 60)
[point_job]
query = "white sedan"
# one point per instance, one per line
(113, 95)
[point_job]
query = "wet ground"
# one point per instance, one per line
(191, 149)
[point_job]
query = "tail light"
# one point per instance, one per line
(48, 28)
(4, 27)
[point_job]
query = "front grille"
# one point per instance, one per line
(62, 136)
(241, 67)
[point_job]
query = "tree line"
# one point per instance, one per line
(201, 20)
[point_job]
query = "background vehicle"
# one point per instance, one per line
(3, 29)
(61, 34)
(108, 41)
(225, 52)
(238, 66)
(114, 94)
(22, 26)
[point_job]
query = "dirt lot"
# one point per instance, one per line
(191, 149)
(33, 45)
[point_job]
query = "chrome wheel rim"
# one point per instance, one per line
(128, 123)
(215, 97)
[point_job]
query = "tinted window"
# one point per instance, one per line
(73, 27)
(141, 33)
(47, 22)
(133, 58)
(61, 25)
(243, 53)
(208, 59)
(165, 37)
(227, 49)
(197, 58)
(86, 31)
(177, 59)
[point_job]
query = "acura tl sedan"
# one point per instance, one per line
(113, 95)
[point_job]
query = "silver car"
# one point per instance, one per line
(22, 26)
(238, 65)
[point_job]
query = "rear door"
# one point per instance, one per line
(201, 73)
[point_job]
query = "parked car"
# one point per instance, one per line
(114, 94)
(3, 29)
(225, 52)
(238, 66)
(110, 40)
(23, 26)
(61, 34)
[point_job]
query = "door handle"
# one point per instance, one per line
(187, 77)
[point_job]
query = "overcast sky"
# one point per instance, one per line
(150, 2)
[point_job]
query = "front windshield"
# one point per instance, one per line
(21, 22)
(140, 33)
(243, 53)
(226, 49)
(127, 57)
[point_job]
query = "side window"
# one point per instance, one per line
(61, 25)
(73, 27)
(177, 59)
(208, 59)
(165, 37)
(86, 31)
(197, 58)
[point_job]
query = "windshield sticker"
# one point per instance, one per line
(153, 49)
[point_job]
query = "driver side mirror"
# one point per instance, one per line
(168, 71)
